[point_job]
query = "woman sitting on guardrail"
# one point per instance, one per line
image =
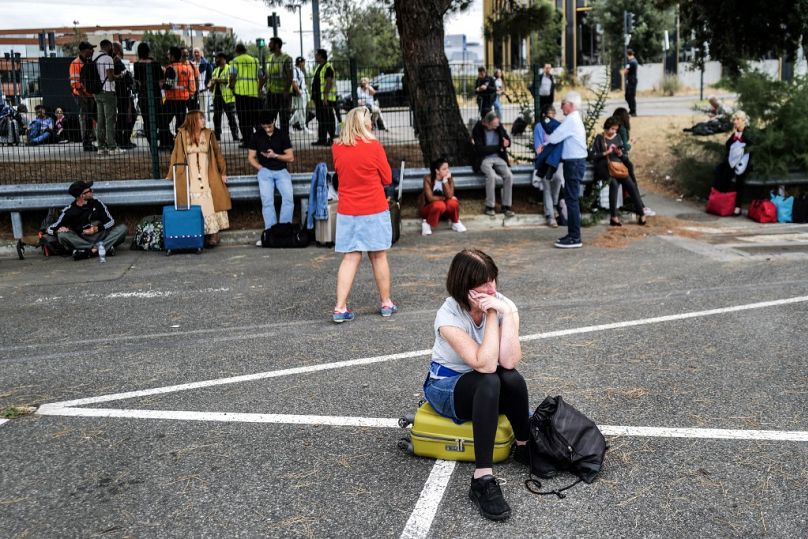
(438, 199)
(363, 215)
(473, 372)
(608, 147)
(731, 174)
(197, 147)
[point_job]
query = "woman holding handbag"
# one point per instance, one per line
(196, 146)
(609, 161)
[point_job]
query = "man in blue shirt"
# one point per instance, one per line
(40, 130)
(573, 134)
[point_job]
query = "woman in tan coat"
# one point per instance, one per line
(197, 148)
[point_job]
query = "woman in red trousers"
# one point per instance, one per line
(437, 199)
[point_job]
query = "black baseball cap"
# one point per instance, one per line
(83, 46)
(77, 188)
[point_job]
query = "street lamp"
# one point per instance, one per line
(298, 6)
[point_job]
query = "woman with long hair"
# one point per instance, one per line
(437, 199)
(196, 147)
(363, 215)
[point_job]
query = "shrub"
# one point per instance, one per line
(696, 160)
(670, 85)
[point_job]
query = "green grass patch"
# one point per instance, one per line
(13, 412)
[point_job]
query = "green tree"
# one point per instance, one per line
(367, 34)
(518, 21)
(219, 42)
(742, 31)
(546, 42)
(161, 42)
(651, 19)
(71, 48)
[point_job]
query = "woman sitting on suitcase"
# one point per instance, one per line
(473, 371)
(196, 146)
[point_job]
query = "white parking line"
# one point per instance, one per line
(419, 353)
(421, 518)
(3, 421)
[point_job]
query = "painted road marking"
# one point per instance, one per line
(426, 508)
(419, 353)
(390, 423)
(3, 421)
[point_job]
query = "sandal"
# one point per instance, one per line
(642, 220)
(614, 222)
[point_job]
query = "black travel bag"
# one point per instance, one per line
(285, 236)
(800, 212)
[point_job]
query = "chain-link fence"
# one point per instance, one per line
(47, 144)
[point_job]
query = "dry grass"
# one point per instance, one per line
(617, 237)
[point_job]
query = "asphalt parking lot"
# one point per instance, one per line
(210, 396)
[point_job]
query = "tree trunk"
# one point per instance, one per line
(439, 124)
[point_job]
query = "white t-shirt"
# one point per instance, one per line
(546, 85)
(364, 97)
(498, 85)
(452, 314)
(300, 78)
(103, 62)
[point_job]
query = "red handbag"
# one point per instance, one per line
(763, 211)
(721, 204)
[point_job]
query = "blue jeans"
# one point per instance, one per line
(574, 170)
(498, 107)
(37, 135)
(268, 181)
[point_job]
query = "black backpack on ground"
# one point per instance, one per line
(562, 439)
(50, 244)
(285, 236)
(800, 212)
(89, 77)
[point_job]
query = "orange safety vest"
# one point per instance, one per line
(185, 85)
(75, 77)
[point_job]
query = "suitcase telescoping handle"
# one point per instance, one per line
(187, 186)
(401, 180)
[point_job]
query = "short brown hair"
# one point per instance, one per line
(611, 122)
(469, 269)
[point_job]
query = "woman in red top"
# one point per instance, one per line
(363, 217)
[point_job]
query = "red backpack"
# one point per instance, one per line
(763, 211)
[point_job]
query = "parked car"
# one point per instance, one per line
(390, 92)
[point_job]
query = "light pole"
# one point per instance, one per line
(298, 6)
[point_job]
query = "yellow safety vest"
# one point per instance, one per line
(332, 93)
(276, 82)
(222, 77)
(245, 68)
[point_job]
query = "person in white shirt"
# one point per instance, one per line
(546, 87)
(365, 96)
(573, 134)
(300, 96)
(106, 101)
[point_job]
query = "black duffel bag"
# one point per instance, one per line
(285, 236)
(562, 439)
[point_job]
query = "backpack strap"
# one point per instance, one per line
(533, 485)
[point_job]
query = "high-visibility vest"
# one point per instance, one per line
(245, 68)
(221, 76)
(75, 77)
(276, 81)
(184, 83)
(332, 93)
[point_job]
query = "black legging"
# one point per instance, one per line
(479, 397)
(630, 189)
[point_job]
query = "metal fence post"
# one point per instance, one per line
(534, 90)
(354, 81)
(153, 137)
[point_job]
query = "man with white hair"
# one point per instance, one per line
(572, 133)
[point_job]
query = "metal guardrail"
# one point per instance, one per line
(27, 197)
(792, 178)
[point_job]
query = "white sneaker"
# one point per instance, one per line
(649, 212)
(426, 230)
(458, 227)
(258, 244)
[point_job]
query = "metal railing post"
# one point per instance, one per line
(153, 130)
(534, 91)
(354, 81)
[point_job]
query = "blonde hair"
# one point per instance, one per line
(741, 115)
(364, 80)
(191, 125)
(355, 127)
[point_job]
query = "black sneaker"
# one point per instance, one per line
(90, 148)
(521, 454)
(569, 243)
(487, 496)
(81, 254)
(492, 212)
(111, 251)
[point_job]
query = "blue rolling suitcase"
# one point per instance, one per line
(183, 226)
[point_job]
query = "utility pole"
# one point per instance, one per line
(315, 20)
(300, 24)
(274, 23)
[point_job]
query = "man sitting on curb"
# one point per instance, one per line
(85, 223)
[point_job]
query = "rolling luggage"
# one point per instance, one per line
(325, 232)
(183, 226)
(439, 437)
(394, 205)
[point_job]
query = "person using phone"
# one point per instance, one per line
(85, 223)
(438, 200)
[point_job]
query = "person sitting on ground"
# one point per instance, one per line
(548, 158)
(719, 121)
(491, 143)
(270, 152)
(473, 373)
(608, 146)
(731, 174)
(40, 130)
(624, 132)
(438, 199)
(85, 223)
(365, 98)
(60, 126)
(197, 148)
(718, 109)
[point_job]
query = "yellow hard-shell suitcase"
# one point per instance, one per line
(438, 437)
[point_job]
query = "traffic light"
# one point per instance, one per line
(273, 21)
(260, 42)
(52, 41)
(42, 41)
(629, 22)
